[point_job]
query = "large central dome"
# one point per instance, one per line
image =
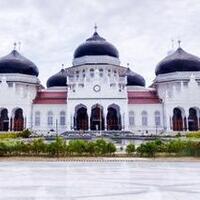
(96, 46)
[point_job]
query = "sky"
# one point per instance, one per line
(142, 30)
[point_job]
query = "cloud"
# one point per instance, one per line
(51, 30)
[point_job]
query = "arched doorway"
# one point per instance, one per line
(113, 118)
(18, 120)
(81, 118)
(177, 120)
(97, 118)
(4, 120)
(192, 120)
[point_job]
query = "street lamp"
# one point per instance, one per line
(56, 127)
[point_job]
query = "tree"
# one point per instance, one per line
(25, 133)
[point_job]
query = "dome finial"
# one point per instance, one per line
(15, 45)
(179, 43)
(172, 43)
(19, 44)
(95, 27)
(62, 70)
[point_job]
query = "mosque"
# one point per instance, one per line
(98, 94)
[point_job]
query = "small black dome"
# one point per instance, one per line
(58, 80)
(16, 63)
(134, 79)
(96, 46)
(178, 61)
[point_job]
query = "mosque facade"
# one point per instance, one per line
(98, 94)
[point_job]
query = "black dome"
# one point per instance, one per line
(134, 79)
(96, 46)
(178, 61)
(16, 63)
(59, 79)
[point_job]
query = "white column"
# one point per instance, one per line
(89, 116)
(126, 116)
(105, 119)
(186, 116)
(9, 118)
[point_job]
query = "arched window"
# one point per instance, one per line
(77, 74)
(37, 118)
(92, 72)
(62, 118)
(101, 72)
(115, 73)
(131, 118)
(109, 71)
(144, 118)
(50, 118)
(157, 118)
(83, 73)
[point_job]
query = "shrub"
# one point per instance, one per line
(24, 134)
(3, 149)
(77, 146)
(12, 135)
(100, 147)
(38, 146)
(110, 148)
(90, 148)
(151, 148)
(57, 148)
(178, 134)
(130, 149)
(193, 134)
(175, 146)
(8, 135)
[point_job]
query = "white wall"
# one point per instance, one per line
(44, 109)
(18, 91)
(150, 109)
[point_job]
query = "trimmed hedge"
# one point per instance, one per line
(12, 135)
(173, 147)
(38, 147)
(100, 147)
(195, 134)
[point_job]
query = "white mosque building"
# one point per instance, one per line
(97, 93)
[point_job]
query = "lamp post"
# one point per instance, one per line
(156, 129)
(56, 127)
(100, 120)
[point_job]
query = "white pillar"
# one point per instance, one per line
(126, 117)
(89, 111)
(186, 116)
(105, 119)
(9, 118)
